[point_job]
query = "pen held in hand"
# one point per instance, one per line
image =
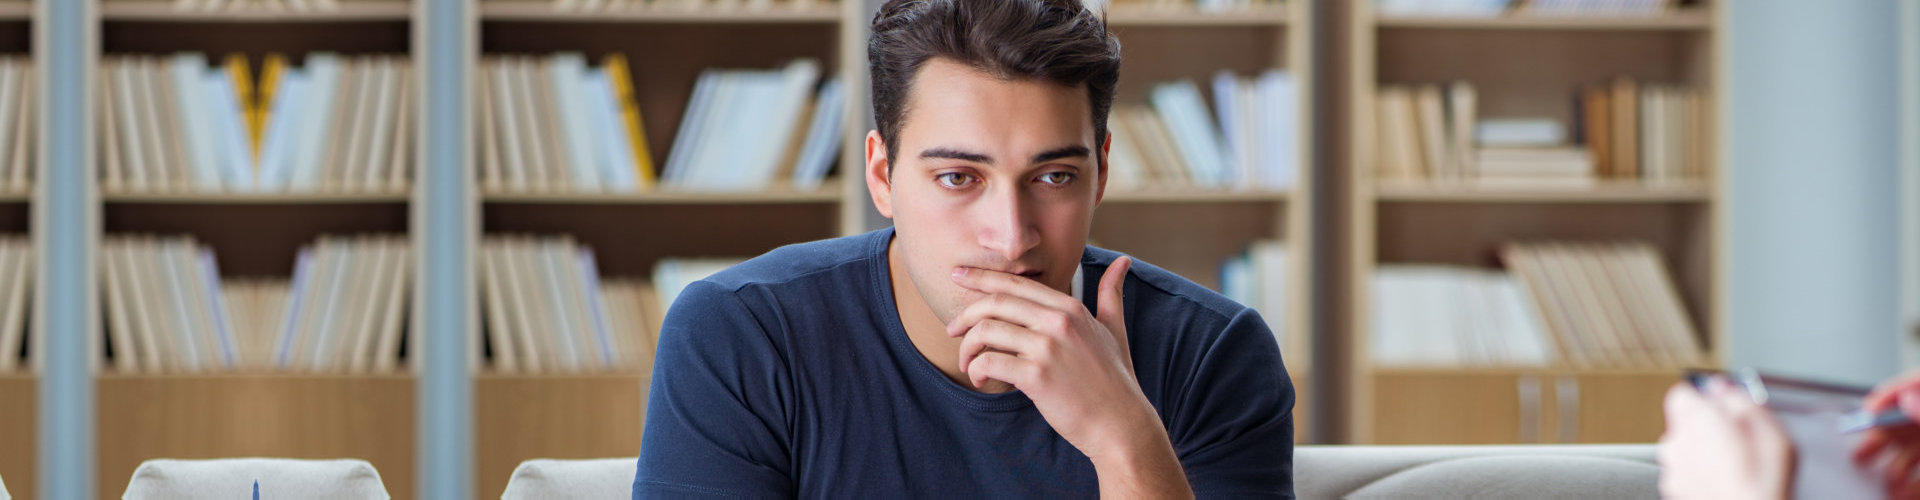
(1861, 420)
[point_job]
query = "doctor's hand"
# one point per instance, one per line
(1898, 445)
(1719, 444)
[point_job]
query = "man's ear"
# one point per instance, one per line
(879, 181)
(1106, 154)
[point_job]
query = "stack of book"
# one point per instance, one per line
(1492, 8)
(1257, 278)
(1630, 131)
(754, 130)
(549, 311)
(178, 124)
(1441, 316)
(16, 272)
(1248, 141)
(555, 124)
(1607, 304)
(287, 6)
(169, 311)
(617, 6)
(1586, 305)
(17, 126)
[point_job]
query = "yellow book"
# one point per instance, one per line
(622, 82)
(271, 71)
(236, 65)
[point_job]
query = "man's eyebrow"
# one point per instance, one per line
(1061, 153)
(956, 154)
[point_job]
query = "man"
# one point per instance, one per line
(979, 348)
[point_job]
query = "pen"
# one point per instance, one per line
(1860, 420)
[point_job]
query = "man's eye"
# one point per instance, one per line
(953, 180)
(1057, 178)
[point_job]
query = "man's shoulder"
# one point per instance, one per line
(801, 261)
(1159, 289)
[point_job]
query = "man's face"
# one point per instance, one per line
(994, 174)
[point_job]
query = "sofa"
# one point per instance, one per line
(1360, 472)
(277, 478)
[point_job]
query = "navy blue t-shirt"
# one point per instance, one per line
(790, 375)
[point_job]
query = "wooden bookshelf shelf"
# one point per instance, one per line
(20, 392)
(829, 193)
(1188, 15)
(1195, 196)
(164, 11)
(819, 13)
(1610, 192)
(1681, 20)
(16, 10)
(304, 198)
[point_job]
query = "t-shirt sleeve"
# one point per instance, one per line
(716, 422)
(1233, 426)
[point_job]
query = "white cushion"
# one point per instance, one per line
(279, 478)
(545, 478)
(1491, 472)
(3, 491)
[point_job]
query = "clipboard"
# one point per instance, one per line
(1813, 414)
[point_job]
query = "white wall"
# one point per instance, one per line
(1814, 189)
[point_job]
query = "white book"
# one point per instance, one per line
(278, 143)
(492, 178)
(25, 118)
(379, 137)
(156, 350)
(178, 308)
(789, 95)
(691, 123)
(126, 358)
(563, 72)
(13, 104)
(1270, 267)
(1227, 108)
(553, 141)
(387, 353)
(550, 256)
(539, 172)
(202, 332)
(145, 158)
(735, 91)
(316, 120)
(298, 294)
(1279, 104)
(318, 330)
(493, 288)
(232, 152)
(349, 165)
(201, 146)
(13, 280)
(615, 156)
(113, 171)
(565, 258)
(519, 290)
(823, 136)
(610, 352)
(514, 164)
(370, 288)
(1185, 114)
(217, 310)
(400, 165)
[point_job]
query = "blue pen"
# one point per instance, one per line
(1860, 420)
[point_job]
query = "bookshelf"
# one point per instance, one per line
(521, 415)
(19, 388)
(1522, 64)
(253, 411)
(1193, 230)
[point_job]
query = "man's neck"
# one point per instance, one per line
(924, 328)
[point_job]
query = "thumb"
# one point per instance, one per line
(1112, 307)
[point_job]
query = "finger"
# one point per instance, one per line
(996, 335)
(1682, 404)
(1002, 367)
(1009, 308)
(1909, 402)
(1871, 446)
(1884, 396)
(1110, 301)
(993, 282)
(1901, 468)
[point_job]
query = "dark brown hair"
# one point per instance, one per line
(1058, 41)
